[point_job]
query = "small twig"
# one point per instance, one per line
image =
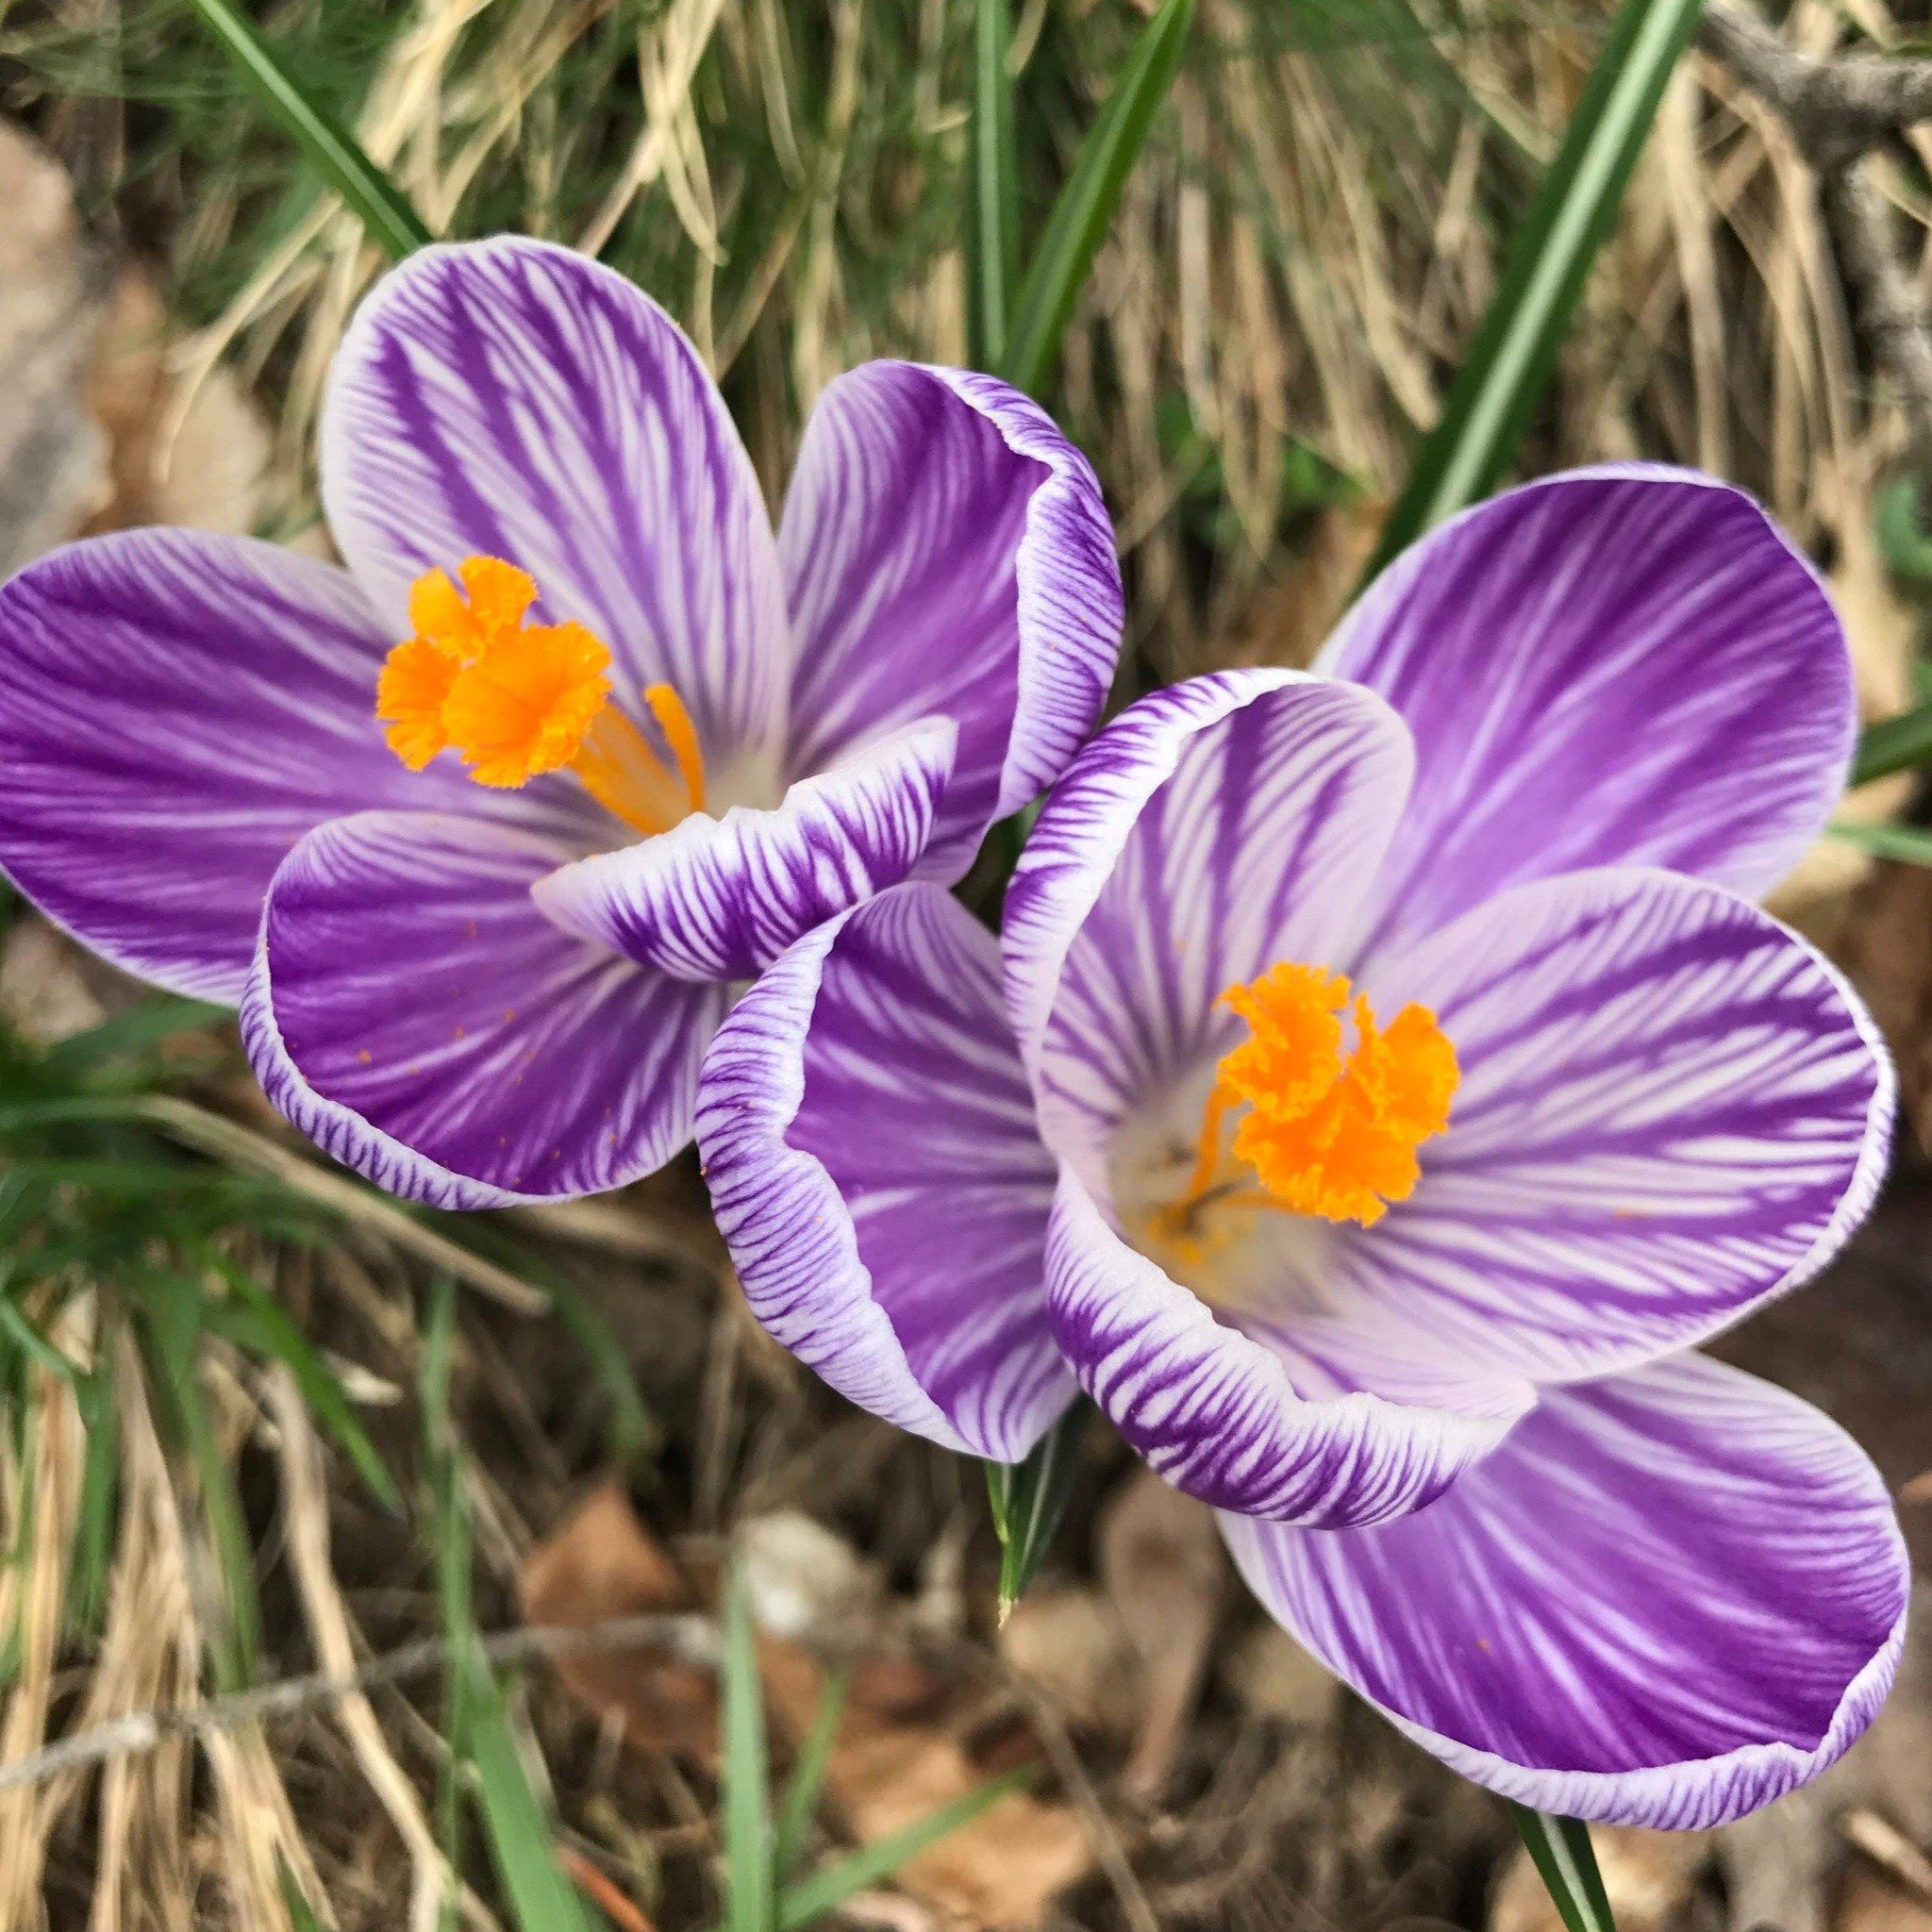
(1890, 314)
(1848, 102)
(690, 1638)
(1838, 109)
(1891, 1851)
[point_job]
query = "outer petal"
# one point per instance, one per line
(1671, 1108)
(1317, 1423)
(947, 550)
(1622, 666)
(1210, 830)
(1668, 1599)
(870, 1147)
(412, 1011)
(512, 399)
(719, 899)
(177, 709)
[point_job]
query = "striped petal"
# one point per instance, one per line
(412, 1011)
(870, 1147)
(1622, 666)
(1210, 830)
(946, 551)
(719, 899)
(512, 399)
(1312, 1421)
(1667, 1600)
(1671, 1109)
(177, 709)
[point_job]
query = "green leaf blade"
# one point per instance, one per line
(808, 1776)
(1894, 744)
(1027, 1500)
(1085, 202)
(381, 207)
(750, 1905)
(1508, 364)
(1566, 1862)
(827, 1890)
(992, 228)
(1907, 844)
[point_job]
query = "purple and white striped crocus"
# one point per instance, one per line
(1390, 1083)
(695, 736)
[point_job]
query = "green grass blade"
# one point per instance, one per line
(1561, 1850)
(1895, 744)
(992, 179)
(96, 1513)
(382, 208)
(255, 1323)
(825, 1891)
(521, 1845)
(808, 1778)
(1912, 844)
(449, 1526)
(15, 1326)
(295, 1901)
(1508, 364)
(173, 1306)
(155, 1020)
(1085, 202)
(1028, 1500)
(746, 1774)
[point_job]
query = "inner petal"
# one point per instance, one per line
(517, 699)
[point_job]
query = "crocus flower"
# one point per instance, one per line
(1389, 1084)
(482, 830)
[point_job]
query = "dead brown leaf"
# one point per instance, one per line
(1001, 1870)
(1164, 1571)
(600, 1563)
(899, 1753)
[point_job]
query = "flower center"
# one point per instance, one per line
(1336, 1105)
(517, 699)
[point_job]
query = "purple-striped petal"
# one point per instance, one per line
(947, 550)
(869, 1142)
(1668, 1599)
(1211, 830)
(512, 399)
(1622, 666)
(412, 1011)
(177, 709)
(1308, 1422)
(719, 899)
(1671, 1109)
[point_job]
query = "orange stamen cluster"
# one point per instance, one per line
(518, 699)
(1329, 1130)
